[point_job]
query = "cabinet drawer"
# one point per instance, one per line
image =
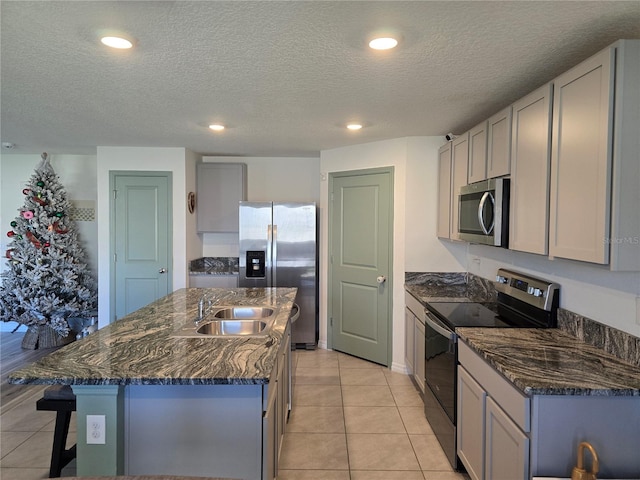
(514, 403)
(413, 304)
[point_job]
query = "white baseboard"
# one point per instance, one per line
(399, 368)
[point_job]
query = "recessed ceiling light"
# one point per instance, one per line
(354, 126)
(383, 43)
(116, 42)
(216, 127)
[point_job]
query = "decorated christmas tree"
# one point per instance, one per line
(48, 280)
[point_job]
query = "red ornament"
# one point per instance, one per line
(8, 253)
(10, 233)
(39, 200)
(58, 229)
(32, 238)
(26, 191)
(47, 244)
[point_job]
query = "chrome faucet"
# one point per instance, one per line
(203, 306)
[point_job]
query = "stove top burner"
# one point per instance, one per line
(466, 314)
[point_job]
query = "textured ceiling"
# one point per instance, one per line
(284, 76)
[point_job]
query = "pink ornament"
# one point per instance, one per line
(28, 214)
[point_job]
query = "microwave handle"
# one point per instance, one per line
(483, 200)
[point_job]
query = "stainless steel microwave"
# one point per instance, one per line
(483, 210)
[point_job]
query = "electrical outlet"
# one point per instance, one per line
(96, 429)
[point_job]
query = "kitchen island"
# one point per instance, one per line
(178, 405)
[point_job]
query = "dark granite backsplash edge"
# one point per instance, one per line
(615, 342)
(476, 289)
(620, 344)
(213, 265)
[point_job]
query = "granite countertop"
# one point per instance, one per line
(140, 349)
(552, 362)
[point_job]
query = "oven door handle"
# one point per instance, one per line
(441, 329)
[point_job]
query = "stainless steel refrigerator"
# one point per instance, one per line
(278, 248)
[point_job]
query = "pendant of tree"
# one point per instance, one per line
(48, 280)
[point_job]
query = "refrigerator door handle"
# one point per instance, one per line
(267, 261)
(274, 256)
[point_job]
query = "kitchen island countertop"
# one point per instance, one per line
(552, 362)
(140, 349)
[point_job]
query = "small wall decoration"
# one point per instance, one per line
(191, 202)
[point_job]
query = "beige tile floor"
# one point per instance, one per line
(356, 420)
(352, 420)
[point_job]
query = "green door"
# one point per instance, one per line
(141, 241)
(361, 234)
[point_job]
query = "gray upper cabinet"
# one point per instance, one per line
(595, 172)
(221, 186)
(499, 144)
(444, 191)
(530, 164)
(459, 167)
(478, 153)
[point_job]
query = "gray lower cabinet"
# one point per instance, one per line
(471, 406)
(419, 339)
(409, 347)
(414, 339)
(504, 434)
(492, 444)
(506, 446)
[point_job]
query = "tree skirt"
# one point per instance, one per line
(43, 336)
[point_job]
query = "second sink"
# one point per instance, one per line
(243, 313)
(232, 327)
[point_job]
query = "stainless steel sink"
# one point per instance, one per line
(232, 327)
(230, 321)
(243, 313)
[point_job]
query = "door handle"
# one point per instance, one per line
(162, 270)
(381, 279)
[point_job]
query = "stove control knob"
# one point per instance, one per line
(537, 292)
(530, 290)
(501, 279)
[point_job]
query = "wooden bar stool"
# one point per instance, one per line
(60, 399)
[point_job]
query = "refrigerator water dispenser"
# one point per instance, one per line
(255, 264)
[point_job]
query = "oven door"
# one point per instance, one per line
(440, 363)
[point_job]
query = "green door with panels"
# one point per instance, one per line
(141, 239)
(361, 234)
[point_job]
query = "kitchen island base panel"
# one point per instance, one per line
(100, 459)
(194, 430)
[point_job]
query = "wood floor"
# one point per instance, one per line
(13, 357)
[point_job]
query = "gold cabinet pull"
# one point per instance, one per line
(579, 472)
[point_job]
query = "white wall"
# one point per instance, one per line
(174, 160)
(423, 251)
(278, 179)
(410, 206)
(77, 175)
(193, 241)
(611, 298)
